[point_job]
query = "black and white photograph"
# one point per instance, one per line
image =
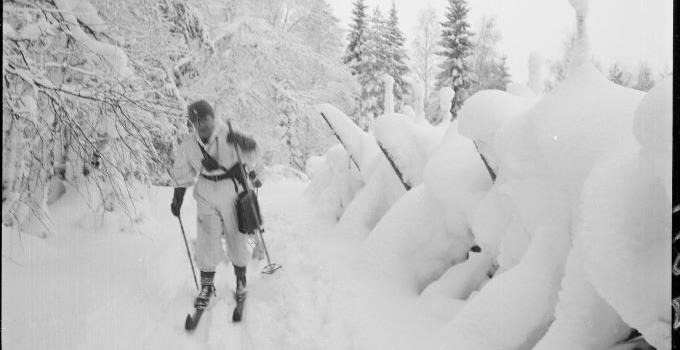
(339, 175)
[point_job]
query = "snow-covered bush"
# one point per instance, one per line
(83, 101)
(334, 180)
(266, 77)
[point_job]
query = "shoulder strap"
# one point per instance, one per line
(208, 156)
(237, 171)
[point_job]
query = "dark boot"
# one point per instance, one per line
(207, 290)
(240, 294)
(240, 272)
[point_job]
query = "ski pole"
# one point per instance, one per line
(193, 271)
(270, 268)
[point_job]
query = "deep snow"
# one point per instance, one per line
(124, 286)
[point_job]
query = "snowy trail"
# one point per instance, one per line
(105, 289)
(114, 288)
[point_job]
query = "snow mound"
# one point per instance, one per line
(521, 90)
(360, 145)
(281, 172)
(456, 176)
(579, 309)
(624, 224)
(410, 247)
(653, 123)
(513, 308)
(461, 279)
(408, 144)
(487, 111)
(372, 201)
(334, 181)
(582, 119)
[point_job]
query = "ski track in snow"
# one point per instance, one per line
(114, 290)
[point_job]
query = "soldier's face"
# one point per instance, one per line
(204, 127)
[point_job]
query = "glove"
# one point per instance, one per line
(177, 199)
(244, 142)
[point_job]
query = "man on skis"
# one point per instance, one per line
(207, 159)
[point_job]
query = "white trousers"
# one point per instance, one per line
(216, 220)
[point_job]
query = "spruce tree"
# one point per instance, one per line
(356, 36)
(617, 75)
(372, 66)
(457, 47)
(488, 67)
(396, 63)
(644, 80)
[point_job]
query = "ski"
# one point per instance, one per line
(192, 320)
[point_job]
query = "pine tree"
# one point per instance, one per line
(644, 81)
(372, 66)
(356, 36)
(424, 59)
(396, 56)
(457, 47)
(489, 68)
(617, 75)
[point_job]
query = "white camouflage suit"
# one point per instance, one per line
(216, 214)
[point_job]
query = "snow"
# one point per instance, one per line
(521, 90)
(573, 230)
(513, 307)
(409, 111)
(88, 14)
(536, 73)
(624, 225)
(456, 176)
(388, 81)
(419, 100)
(626, 199)
(461, 279)
(360, 145)
(581, 7)
(589, 117)
(334, 181)
(409, 144)
(583, 320)
(446, 95)
(486, 112)
(74, 10)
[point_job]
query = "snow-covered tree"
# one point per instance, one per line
(619, 75)
(456, 46)
(536, 73)
(266, 74)
(87, 99)
(643, 80)
(488, 65)
(424, 58)
(356, 35)
(372, 67)
(396, 55)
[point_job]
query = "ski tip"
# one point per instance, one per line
(236, 316)
(189, 323)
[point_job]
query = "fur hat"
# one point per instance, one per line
(199, 110)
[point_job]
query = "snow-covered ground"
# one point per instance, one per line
(117, 287)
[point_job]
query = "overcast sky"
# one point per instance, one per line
(628, 31)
